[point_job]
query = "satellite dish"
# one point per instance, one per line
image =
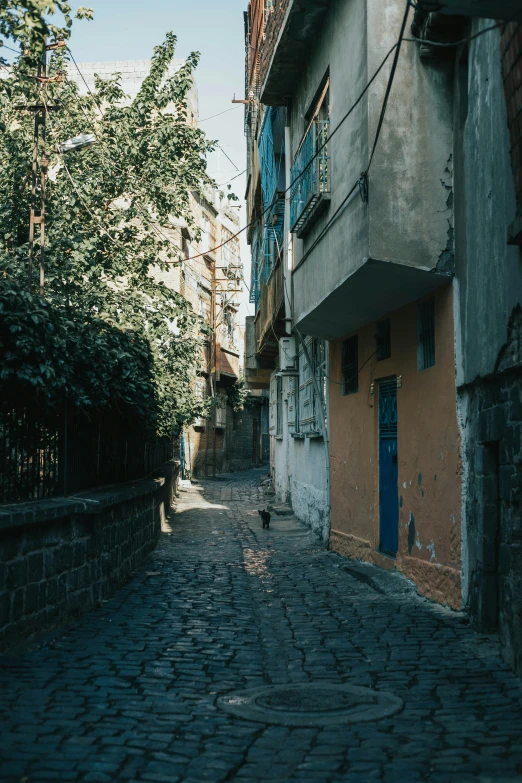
(77, 143)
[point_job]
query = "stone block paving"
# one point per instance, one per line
(130, 693)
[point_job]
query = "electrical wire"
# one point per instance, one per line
(453, 44)
(155, 228)
(226, 156)
(231, 180)
(234, 108)
(5, 46)
(345, 117)
(390, 84)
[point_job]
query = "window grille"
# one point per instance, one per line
(310, 406)
(279, 406)
(383, 341)
(350, 366)
(293, 404)
(426, 334)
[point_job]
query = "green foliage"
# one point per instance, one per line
(107, 331)
(239, 396)
(30, 22)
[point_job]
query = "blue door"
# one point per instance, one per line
(388, 468)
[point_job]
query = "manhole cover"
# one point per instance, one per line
(311, 704)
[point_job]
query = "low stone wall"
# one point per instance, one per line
(59, 557)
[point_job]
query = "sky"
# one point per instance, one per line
(129, 30)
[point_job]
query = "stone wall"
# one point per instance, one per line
(59, 557)
(494, 495)
(235, 447)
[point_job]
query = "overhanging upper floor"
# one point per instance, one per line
(374, 289)
(289, 31)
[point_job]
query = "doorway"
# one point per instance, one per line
(388, 468)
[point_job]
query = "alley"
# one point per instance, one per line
(132, 693)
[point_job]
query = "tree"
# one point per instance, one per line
(29, 23)
(106, 332)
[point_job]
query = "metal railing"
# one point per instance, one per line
(313, 180)
(273, 237)
(71, 451)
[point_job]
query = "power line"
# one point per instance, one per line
(226, 156)
(390, 84)
(234, 108)
(233, 178)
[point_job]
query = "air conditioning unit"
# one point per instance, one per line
(287, 354)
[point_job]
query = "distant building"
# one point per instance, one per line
(210, 279)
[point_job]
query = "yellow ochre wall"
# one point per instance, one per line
(428, 455)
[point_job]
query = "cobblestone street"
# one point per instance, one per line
(131, 693)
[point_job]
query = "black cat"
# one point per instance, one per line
(265, 516)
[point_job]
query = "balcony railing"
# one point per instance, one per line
(311, 191)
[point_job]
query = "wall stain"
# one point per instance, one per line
(411, 533)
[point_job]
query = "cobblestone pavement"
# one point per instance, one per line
(130, 694)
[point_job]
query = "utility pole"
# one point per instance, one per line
(213, 359)
(39, 135)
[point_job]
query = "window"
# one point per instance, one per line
(426, 334)
(382, 340)
(205, 234)
(350, 366)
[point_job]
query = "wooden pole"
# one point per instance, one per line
(214, 361)
(34, 219)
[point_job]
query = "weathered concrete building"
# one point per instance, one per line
(298, 447)
(397, 291)
(368, 284)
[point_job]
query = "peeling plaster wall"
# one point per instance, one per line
(300, 475)
(489, 270)
(308, 488)
(429, 461)
(489, 348)
(408, 217)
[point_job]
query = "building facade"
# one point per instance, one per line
(396, 294)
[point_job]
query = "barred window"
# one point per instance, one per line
(426, 334)
(350, 366)
(311, 407)
(279, 406)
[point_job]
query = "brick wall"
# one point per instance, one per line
(511, 50)
(59, 557)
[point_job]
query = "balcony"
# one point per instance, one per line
(290, 28)
(263, 330)
(311, 193)
(270, 314)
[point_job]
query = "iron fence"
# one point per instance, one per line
(70, 451)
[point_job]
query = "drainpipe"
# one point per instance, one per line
(288, 249)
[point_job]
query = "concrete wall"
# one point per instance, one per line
(428, 455)
(59, 557)
(488, 269)
(299, 473)
(489, 348)
(408, 218)
(340, 48)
